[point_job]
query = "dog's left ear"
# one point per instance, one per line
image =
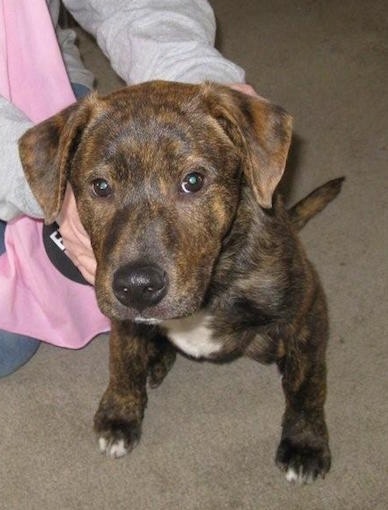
(46, 151)
(261, 130)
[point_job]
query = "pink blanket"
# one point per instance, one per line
(35, 299)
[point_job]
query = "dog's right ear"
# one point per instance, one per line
(46, 151)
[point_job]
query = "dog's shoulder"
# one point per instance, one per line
(260, 259)
(260, 279)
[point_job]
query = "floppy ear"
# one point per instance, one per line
(46, 151)
(261, 130)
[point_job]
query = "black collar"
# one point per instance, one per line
(55, 250)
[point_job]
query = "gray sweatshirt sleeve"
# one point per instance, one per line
(157, 39)
(15, 194)
(76, 71)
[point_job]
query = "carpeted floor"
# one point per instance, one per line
(211, 431)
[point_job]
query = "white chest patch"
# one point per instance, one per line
(192, 335)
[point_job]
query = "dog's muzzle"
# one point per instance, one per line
(140, 286)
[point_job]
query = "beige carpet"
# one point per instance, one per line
(211, 431)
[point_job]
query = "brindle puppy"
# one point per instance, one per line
(174, 184)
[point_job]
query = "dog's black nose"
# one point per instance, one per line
(139, 285)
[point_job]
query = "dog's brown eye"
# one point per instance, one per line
(101, 188)
(192, 182)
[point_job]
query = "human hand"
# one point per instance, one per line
(75, 238)
(245, 88)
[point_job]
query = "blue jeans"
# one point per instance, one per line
(79, 90)
(16, 350)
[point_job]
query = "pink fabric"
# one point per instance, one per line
(35, 299)
(33, 75)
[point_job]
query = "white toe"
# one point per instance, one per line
(114, 449)
(293, 477)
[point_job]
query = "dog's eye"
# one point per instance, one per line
(101, 188)
(192, 182)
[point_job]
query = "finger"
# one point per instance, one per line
(246, 89)
(85, 264)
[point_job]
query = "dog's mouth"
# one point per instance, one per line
(151, 321)
(147, 293)
(169, 307)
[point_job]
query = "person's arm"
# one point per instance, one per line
(16, 197)
(157, 39)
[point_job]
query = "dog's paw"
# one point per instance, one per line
(116, 438)
(113, 448)
(303, 463)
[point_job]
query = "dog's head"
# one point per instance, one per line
(157, 171)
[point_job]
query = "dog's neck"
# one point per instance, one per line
(242, 244)
(241, 279)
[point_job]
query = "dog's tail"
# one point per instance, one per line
(315, 202)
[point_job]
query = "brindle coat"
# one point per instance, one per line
(174, 184)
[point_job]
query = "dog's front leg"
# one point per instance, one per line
(304, 452)
(120, 414)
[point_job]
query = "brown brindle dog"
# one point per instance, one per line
(174, 184)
